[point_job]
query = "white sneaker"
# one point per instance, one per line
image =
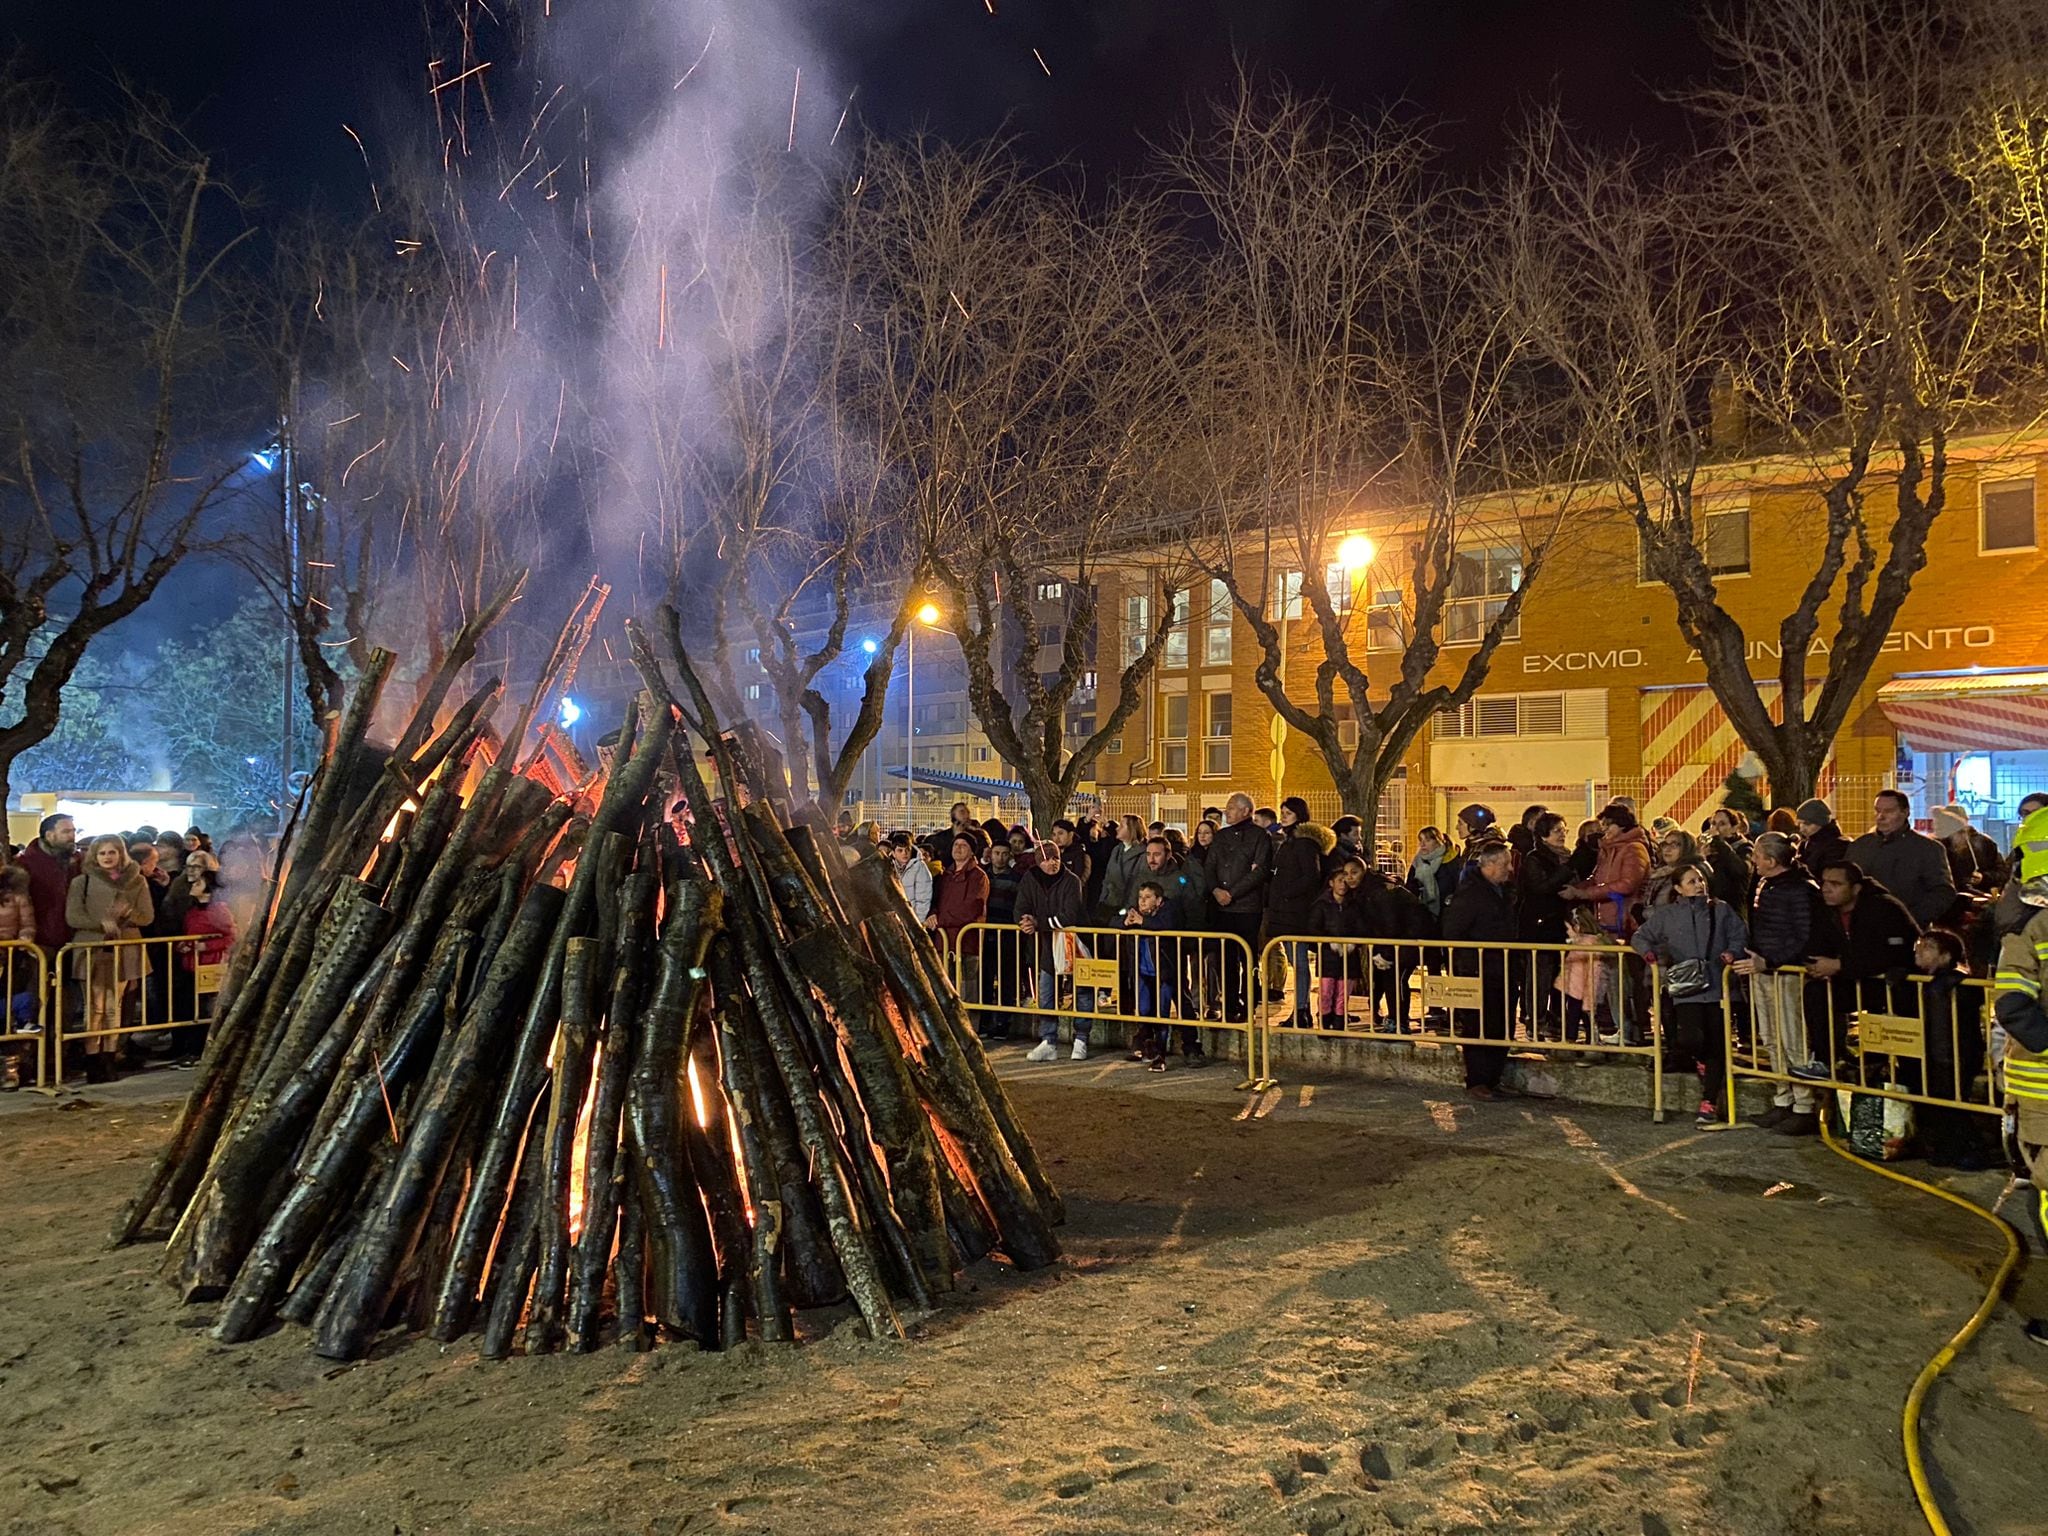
(1043, 1051)
(1080, 1050)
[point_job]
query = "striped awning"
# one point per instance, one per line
(1975, 712)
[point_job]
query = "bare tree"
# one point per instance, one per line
(1001, 353)
(1838, 272)
(116, 325)
(1361, 374)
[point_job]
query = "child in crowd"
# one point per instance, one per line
(1338, 914)
(1157, 986)
(1584, 979)
(1955, 1054)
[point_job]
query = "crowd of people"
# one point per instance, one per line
(143, 884)
(1787, 919)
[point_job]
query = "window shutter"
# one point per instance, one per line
(1497, 715)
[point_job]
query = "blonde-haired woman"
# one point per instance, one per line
(110, 900)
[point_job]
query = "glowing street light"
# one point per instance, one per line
(570, 712)
(1357, 552)
(869, 646)
(928, 614)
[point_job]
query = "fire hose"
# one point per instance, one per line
(1916, 1465)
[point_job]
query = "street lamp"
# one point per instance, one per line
(925, 615)
(1357, 552)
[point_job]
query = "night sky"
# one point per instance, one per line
(266, 85)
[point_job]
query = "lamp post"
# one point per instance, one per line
(925, 615)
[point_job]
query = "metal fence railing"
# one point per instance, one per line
(1564, 998)
(1897, 1036)
(1173, 984)
(104, 989)
(25, 989)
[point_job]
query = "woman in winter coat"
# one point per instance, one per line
(1694, 937)
(1426, 876)
(110, 900)
(1123, 870)
(1676, 848)
(1619, 870)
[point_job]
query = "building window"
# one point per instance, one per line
(1216, 641)
(1087, 682)
(981, 754)
(1725, 541)
(1173, 732)
(1347, 735)
(754, 654)
(1137, 625)
(1283, 598)
(2008, 520)
(1048, 634)
(1048, 591)
(1177, 637)
(753, 693)
(1505, 714)
(1216, 734)
(1386, 625)
(1342, 585)
(1482, 581)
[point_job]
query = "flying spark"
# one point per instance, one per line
(700, 59)
(842, 115)
(1041, 63)
(477, 70)
(792, 109)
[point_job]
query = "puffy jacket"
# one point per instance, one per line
(212, 922)
(1540, 909)
(1002, 895)
(960, 897)
(1693, 928)
(1297, 876)
(1333, 919)
(1181, 880)
(17, 909)
(1913, 867)
(1482, 912)
(1781, 922)
(1241, 862)
(1620, 871)
(1730, 877)
(1392, 911)
(916, 880)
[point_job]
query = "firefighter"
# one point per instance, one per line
(2022, 965)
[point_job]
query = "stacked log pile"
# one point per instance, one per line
(503, 1062)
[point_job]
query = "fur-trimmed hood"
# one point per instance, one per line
(1324, 839)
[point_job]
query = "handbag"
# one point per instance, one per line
(1689, 977)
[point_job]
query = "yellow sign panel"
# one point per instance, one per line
(209, 978)
(1452, 992)
(1092, 972)
(1891, 1034)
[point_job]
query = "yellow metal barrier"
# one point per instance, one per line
(99, 985)
(1599, 998)
(1898, 1037)
(25, 994)
(1173, 980)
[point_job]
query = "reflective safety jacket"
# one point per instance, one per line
(2022, 964)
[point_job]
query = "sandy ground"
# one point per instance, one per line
(1361, 1310)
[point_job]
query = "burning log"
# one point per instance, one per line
(487, 1062)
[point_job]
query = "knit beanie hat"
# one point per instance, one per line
(1477, 816)
(1814, 813)
(1950, 819)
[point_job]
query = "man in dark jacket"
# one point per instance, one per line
(1545, 870)
(1049, 900)
(1297, 881)
(1820, 837)
(1780, 934)
(1862, 943)
(1974, 862)
(1481, 911)
(1390, 911)
(1239, 867)
(51, 860)
(999, 968)
(1181, 887)
(1909, 864)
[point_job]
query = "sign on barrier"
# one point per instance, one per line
(1890, 1034)
(1452, 992)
